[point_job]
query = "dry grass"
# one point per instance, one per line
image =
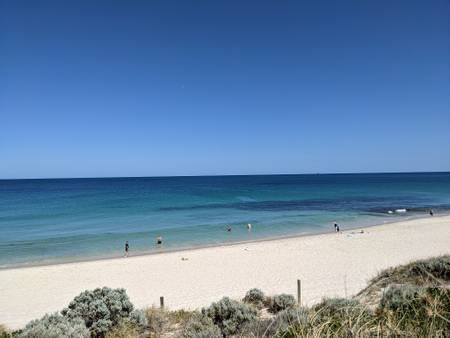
(4, 332)
(123, 331)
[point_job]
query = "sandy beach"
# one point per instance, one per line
(328, 265)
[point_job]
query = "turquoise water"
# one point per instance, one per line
(54, 220)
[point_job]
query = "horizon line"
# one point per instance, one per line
(221, 175)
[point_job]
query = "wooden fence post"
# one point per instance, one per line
(299, 292)
(161, 302)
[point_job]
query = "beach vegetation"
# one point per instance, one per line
(55, 326)
(230, 315)
(100, 309)
(157, 320)
(4, 332)
(412, 300)
(200, 326)
(123, 330)
(281, 302)
(256, 297)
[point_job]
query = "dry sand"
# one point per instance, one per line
(328, 265)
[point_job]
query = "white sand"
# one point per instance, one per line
(328, 265)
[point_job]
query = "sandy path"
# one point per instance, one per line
(328, 265)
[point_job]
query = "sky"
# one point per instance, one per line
(162, 88)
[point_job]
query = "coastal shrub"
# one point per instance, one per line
(255, 297)
(230, 315)
(101, 309)
(55, 326)
(281, 302)
(201, 326)
(138, 319)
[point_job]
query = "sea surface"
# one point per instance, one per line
(57, 220)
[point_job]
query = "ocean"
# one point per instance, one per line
(46, 221)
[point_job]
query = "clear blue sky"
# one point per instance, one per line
(144, 88)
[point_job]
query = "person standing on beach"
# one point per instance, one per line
(159, 240)
(127, 247)
(336, 227)
(431, 212)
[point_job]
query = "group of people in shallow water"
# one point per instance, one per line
(249, 227)
(159, 239)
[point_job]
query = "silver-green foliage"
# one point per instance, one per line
(230, 315)
(138, 319)
(273, 327)
(281, 302)
(101, 309)
(55, 326)
(201, 326)
(255, 296)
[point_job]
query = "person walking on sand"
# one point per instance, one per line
(159, 240)
(127, 247)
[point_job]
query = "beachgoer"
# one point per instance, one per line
(159, 240)
(431, 212)
(229, 229)
(249, 227)
(336, 227)
(127, 247)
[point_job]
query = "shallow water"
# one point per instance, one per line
(54, 220)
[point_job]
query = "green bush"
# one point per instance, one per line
(281, 302)
(230, 315)
(255, 297)
(138, 319)
(55, 326)
(201, 326)
(100, 309)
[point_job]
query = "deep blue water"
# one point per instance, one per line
(53, 220)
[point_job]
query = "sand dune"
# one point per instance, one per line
(328, 265)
